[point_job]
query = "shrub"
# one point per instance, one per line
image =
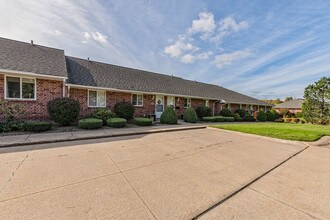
(203, 111)
(124, 110)
(302, 121)
(272, 115)
(299, 114)
(168, 116)
(209, 119)
(242, 112)
(219, 118)
(225, 112)
(38, 126)
(237, 117)
(90, 123)
(143, 121)
(279, 120)
(288, 119)
(12, 111)
(262, 116)
(190, 115)
(104, 114)
(63, 110)
(229, 119)
(12, 125)
(116, 122)
(296, 120)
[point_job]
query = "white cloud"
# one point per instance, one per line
(189, 58)
(204, 24)
(178, 48)
(96, 36)
(228, 58)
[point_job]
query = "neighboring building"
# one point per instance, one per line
(293, 106)
(34, 74)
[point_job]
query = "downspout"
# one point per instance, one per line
(63, 88)
(214, 105)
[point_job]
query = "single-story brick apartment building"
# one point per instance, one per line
(34, 74)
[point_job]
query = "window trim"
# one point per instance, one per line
(97, 91)
(207, 103)
(188, 106)
(137, 94)
(21, 88)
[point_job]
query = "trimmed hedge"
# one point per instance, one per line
(169, 116)
(143, 121)
(242, 112)
(38, 126)
(272, 115)
(225, 112)
(203, 111)
(190, 115)
(116, 122)
(124, 110)
(209, 119)
(90, 123)
(104, 114)
(63, 110)
(249, 118)
(262, 116)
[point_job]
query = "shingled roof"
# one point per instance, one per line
(293, 104)
(96, 74)
(25, 57)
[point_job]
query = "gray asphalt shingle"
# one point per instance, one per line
(296, 103)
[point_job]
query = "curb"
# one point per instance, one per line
(105, 136)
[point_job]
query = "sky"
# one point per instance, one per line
(265, 49)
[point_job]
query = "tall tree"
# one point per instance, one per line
(288, 98)
(316, 107)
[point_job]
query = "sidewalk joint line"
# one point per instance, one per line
(245, 186)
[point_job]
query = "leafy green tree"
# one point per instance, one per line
(288, 98)
(316, 108)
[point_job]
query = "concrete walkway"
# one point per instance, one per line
(49, 137)
(172, 175)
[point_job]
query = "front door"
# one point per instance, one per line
(159, 105)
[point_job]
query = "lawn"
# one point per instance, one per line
(287, 131)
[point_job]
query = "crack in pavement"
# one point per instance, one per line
(245, 186)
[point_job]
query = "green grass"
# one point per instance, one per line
(287, 131)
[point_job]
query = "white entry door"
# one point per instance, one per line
(159, 105)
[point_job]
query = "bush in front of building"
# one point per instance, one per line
(190, 115)
(242, 112)
(225, 112)
(203, 111)
(169, 116)
(237, 117)
(288, 120)
(104, 114)
(116, 122)
(90, 123)
(63, 111)
(143, 121)
(262, 116)
(296, 120)
(38, 126)
(124, 110)
(272, 115)
(15, 125)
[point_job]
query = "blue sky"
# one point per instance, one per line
(266, 49)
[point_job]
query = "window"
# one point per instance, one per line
(207, 103)
(96, 98)
(137, 99)
(187, 103)
(20, 88)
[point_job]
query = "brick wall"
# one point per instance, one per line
(46, 91)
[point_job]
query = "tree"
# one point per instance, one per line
(288, 98)
(316, 105)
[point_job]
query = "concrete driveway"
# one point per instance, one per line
(174, 175)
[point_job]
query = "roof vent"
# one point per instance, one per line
(88, 59)
(32, 42)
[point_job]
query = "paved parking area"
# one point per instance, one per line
(173, 175)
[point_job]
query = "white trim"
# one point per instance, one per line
(97, 93)
(207, 103)
(137, 94)
(134, 92)
(167, 98)
(21, 88)
(31, 74)
(188, 106)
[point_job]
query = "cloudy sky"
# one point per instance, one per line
(266, 49)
